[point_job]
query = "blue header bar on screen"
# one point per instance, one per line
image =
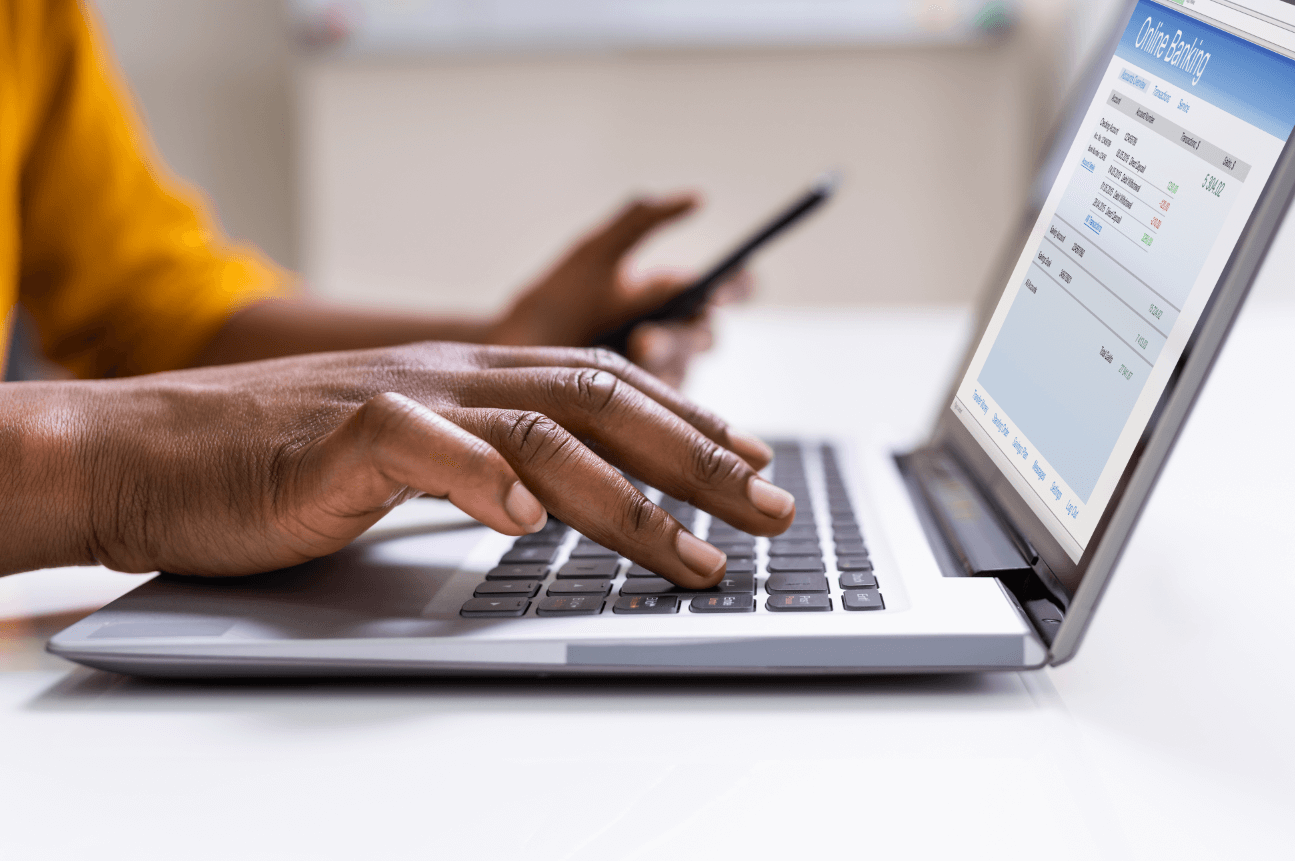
(1249, 82)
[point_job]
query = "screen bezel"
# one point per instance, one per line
(1083, 582)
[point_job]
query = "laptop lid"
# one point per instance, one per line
(1163, 199)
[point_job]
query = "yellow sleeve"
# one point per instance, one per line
(120, 267)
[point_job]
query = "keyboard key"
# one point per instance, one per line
(639, 571)
(646, 604)
(570, 605)
(798, 603)
(661, 586)
(536, 553)
(796, 582)
(584, 569)
(518, 572)
(799, 531)
(736, 551)
(858, 580)
(492, 606)
(780, 564)
(580, 587)
(723, 604)
(553, 526)
(867, 599)
(539, 539)
(586, 549)
(508, 587)
(851, 548)
(740, 566)
(779, 547)
(847, 533)
(853, 563)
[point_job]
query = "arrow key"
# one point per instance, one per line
(492, 606)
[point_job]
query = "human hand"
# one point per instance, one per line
(591, 290)
(246, 468)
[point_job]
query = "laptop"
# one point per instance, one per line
(986, 548)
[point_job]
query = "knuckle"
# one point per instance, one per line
(588, 388)
(607, 360)
(384, 414)
(638, 516)
(535, 437)
(712, 466)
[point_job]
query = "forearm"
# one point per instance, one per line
(290, 327)
(48, 465)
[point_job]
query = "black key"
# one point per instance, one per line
(847, 533)
(798, 603)
(778, 547)
(796, 582)
(570, 605)
(640, 571)
(539, 539)
(518, 572)
(497, 605)
(780, 564)
(584, 569)
(508, 587)
(553, 526)
(851, 548)
(736, 551)
(586, 549)
(537, 553)
(853, 563)
(723, 604)
(661, 586)
(868, 599)
(740, 566)
(580, 587)
(858, 580)
(646, 604)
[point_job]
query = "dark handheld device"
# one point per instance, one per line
(690, 302)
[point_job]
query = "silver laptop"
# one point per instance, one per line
(987, 548)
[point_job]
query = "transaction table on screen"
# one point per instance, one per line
(1166, 737)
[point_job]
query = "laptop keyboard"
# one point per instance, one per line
(821, 564)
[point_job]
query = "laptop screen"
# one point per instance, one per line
(1169, 162)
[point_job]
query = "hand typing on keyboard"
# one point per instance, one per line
(246, 468)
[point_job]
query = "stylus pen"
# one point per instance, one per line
(690, 302)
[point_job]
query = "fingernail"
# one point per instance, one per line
(702, 558)
(770, 499)
(525, 509)
(749, 446)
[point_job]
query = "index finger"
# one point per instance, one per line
(636, 220)
(747, 446)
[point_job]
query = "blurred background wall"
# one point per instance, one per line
(446, 179)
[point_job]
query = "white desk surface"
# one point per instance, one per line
(1167, 737)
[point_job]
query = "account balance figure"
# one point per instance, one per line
(222, 426)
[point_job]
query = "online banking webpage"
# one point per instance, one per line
(1171, 158)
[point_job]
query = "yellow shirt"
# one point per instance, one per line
(118, 265)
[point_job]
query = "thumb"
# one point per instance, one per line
(653, 291)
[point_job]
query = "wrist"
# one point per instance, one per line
(48, 463)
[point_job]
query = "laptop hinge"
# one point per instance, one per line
(971, 539)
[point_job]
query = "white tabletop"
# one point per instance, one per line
(1167, 737)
